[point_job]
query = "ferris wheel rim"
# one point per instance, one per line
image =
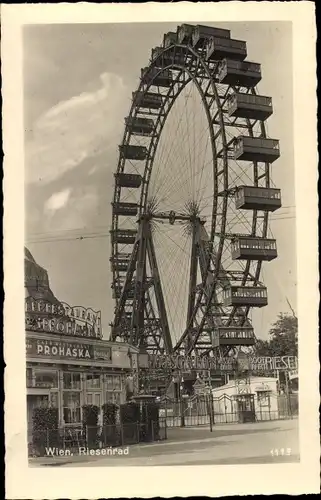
(127, 138)
(127, 135)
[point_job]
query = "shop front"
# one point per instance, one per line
(68, 374)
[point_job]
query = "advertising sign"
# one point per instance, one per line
(187, 363)
(60, 318)
(273, 363)
(61, 349)
(225, 364)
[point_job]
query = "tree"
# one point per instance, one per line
(262, 348)
(283, 339)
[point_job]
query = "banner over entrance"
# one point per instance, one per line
(227, 364)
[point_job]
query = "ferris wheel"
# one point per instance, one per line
(193, 193)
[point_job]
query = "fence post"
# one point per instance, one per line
(47, 438)
(290, 407)
(103, 433)
(212, 407)
(182, 413)
(165, 408)
(121, 434)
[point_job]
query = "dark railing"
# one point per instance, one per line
(206, 410)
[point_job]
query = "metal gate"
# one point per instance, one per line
(186, 412)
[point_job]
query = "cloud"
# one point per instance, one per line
(57, 200)
(70, 210)
(76, 129)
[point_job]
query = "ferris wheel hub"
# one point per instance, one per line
(171, 216)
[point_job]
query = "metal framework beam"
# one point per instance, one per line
(192, 283)
(158, 291)
(140, 326)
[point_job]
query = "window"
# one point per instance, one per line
(93, 381)
(71, 380)
(113, 397)
(94, 399)
(71, 406)
(42, 401)
(113, 382)
(46, 378)
(29, 377)
(113, 389)
(117, 383)
(117, 398)
(54, 399)
(109, 382)
(110, 397)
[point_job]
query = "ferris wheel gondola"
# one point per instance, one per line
(193, 193)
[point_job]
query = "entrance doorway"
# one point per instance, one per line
(245, 408)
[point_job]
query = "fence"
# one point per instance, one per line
(189, 411)
(199, 409)
(272, 407)
(78, 439)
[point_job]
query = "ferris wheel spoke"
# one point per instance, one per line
(185, 151)
(179, 185)
(174, 288)
(174, 141)
(165, 171)
(181, 171)
(177, 293)
(170, 137)
(171, 191)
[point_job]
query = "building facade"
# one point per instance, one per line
(69, 373)
(251, 399)
(68, 364)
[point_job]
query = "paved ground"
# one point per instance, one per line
(227, 444)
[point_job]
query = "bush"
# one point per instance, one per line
(90, 424)
(109, 413)
(110, 435)
(129, 413)
(45, 429)
(130, 420)
(45, 418)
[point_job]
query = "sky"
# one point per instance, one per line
(78, 81)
